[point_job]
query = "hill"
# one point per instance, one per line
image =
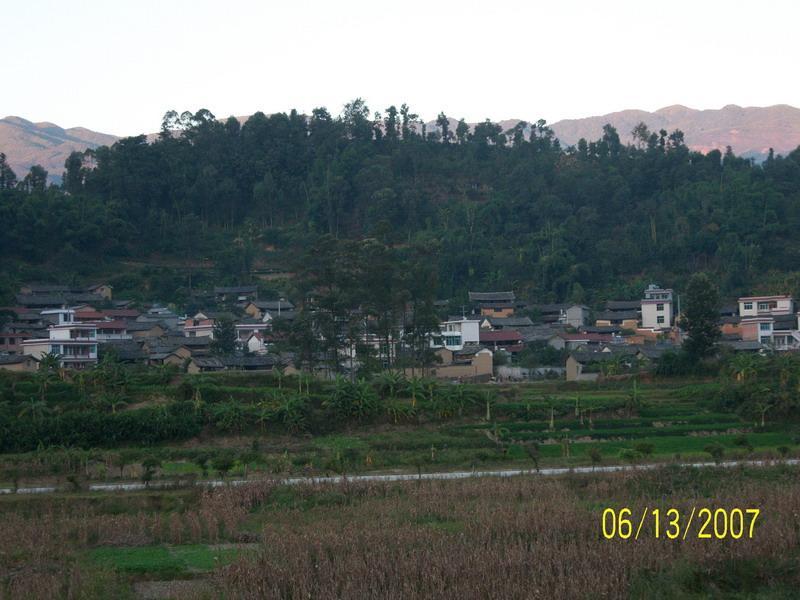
(750, 131)
(26, 143)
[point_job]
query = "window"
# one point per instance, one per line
(660, 319)
(764, 339)
(660, 307)
(765, 326)
(763, 306)
(748, 306)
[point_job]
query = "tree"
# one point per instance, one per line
(224, 341)
(444, 128)
(462, 131)
(222, 464)
(701, 316)
(149, 465)
(35, 180)
(8, 179)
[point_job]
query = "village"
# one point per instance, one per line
(78, 326)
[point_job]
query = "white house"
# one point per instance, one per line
(456, 334)
(74, 343)
(657, 310)
(759, 306)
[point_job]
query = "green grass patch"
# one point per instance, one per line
(167, 561)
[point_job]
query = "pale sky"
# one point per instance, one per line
(116, 65)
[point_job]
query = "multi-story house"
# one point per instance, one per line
(457, 333)
(74, 343)
(769, 320)
(199, 325)
(657, 311)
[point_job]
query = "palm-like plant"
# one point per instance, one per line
(416, 389)
(744, 366)
(35, 409)
(390, 383)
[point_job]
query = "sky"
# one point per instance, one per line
(117, 66)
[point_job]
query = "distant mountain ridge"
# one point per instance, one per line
(26, 144)
(750, 131)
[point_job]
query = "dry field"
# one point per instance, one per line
(526, 537)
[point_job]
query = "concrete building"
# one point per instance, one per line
(456, 334)
(657, 308)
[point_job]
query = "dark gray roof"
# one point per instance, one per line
(288, 315)
(602, 329)
(144, 325)
(41, 300)
(510, 321)
(274, 305)
(587, 356)
(491, 296)
(784, 322)
(617, 315)
(623, 305)
(124, 350)
(742, 345)
(249, 362)
(536, 333)
(240, 289)
(14, 359)
(655, 351)
(208, 362)
(549, 308)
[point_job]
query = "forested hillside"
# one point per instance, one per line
(496, 209)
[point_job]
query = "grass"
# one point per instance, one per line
(163, 561)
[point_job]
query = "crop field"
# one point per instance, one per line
(523, 537)
(216, 427)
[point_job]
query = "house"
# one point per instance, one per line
(205, 364)
(572, 341)
(730, 326)
(550, 313)
(759, 306)
(112, 330)
(576, 315)
(584, 365)
(74, 343)
(456, 334)
(496, 304)
(626, 319)
(622, 313)
(101, 290)
(497, 323)
(255, 343)
(257, 309)
(149, 329)
(509, 340)
(17, 362)
(11, 339)
(470, 364)
(166, 358)
(125, 351)
(657, 309)
(237, 294)
(160, 314)
(200, 325)
(770, 321)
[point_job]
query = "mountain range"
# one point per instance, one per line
(750, 131)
